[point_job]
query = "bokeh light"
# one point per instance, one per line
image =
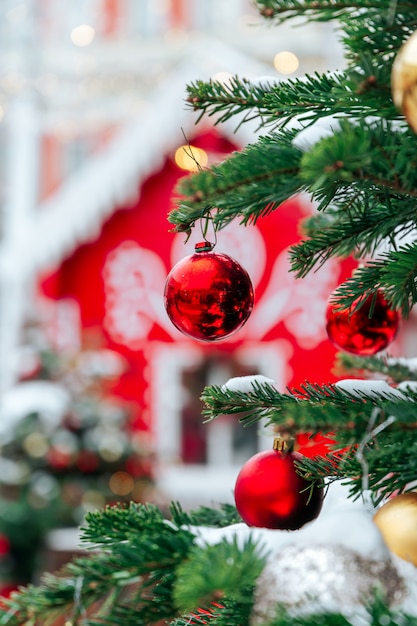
(121, 483)
(286, 62)
(82, 35)
(190, 158)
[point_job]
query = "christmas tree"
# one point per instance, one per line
(67, 448)
(349, 556)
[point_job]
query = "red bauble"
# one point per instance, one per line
(314, 445)
(208, 296)
(357, 332)
(270, 494)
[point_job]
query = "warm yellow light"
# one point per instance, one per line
(121, 483)
(36, 445)
(82, 35)
(190, 158)
(286, 62)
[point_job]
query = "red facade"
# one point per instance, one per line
(118, 281)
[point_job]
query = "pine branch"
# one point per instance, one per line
(366, 367)
(218, 517)
(248, 185)
(313, 97)
(354, 170)
(312, 408)
(389, 468)
(394, 272)
(307, 99)
(131, 572)
(223, 569)
(228, 99)
(281, 11)
(359, 231)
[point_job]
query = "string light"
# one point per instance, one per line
(190, 158)
(121, 483)
(286, 62)
(82, 35)
(36, 445)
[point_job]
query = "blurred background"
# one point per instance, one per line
(99, 392)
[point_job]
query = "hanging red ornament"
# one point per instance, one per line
(366, 331)
(269, 493)
(208, 296)
(310, 445)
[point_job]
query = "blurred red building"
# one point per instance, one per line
(116, 283)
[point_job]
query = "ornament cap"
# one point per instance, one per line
(203, 246)
(280, 444)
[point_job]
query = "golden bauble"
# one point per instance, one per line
(404, 80)
(397, 521)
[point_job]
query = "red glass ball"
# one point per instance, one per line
(314, 445)
(270, 494)
(208, 296)
(357, 332)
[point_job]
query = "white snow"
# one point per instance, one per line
(48, 399)
(370, 388)
(245, 383)
(265, 82)
(410, 385)
(411, 363)
(343, 522)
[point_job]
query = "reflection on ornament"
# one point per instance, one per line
(121, 483)
(397, 521)
(322, 578)
(269, 493)
(404, 80)
(359, 332)
(208, 296)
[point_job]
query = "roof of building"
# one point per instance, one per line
(113, 177)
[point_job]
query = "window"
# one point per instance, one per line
(197, 463)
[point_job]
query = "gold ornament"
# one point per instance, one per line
(404, 80)
(397, 521)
